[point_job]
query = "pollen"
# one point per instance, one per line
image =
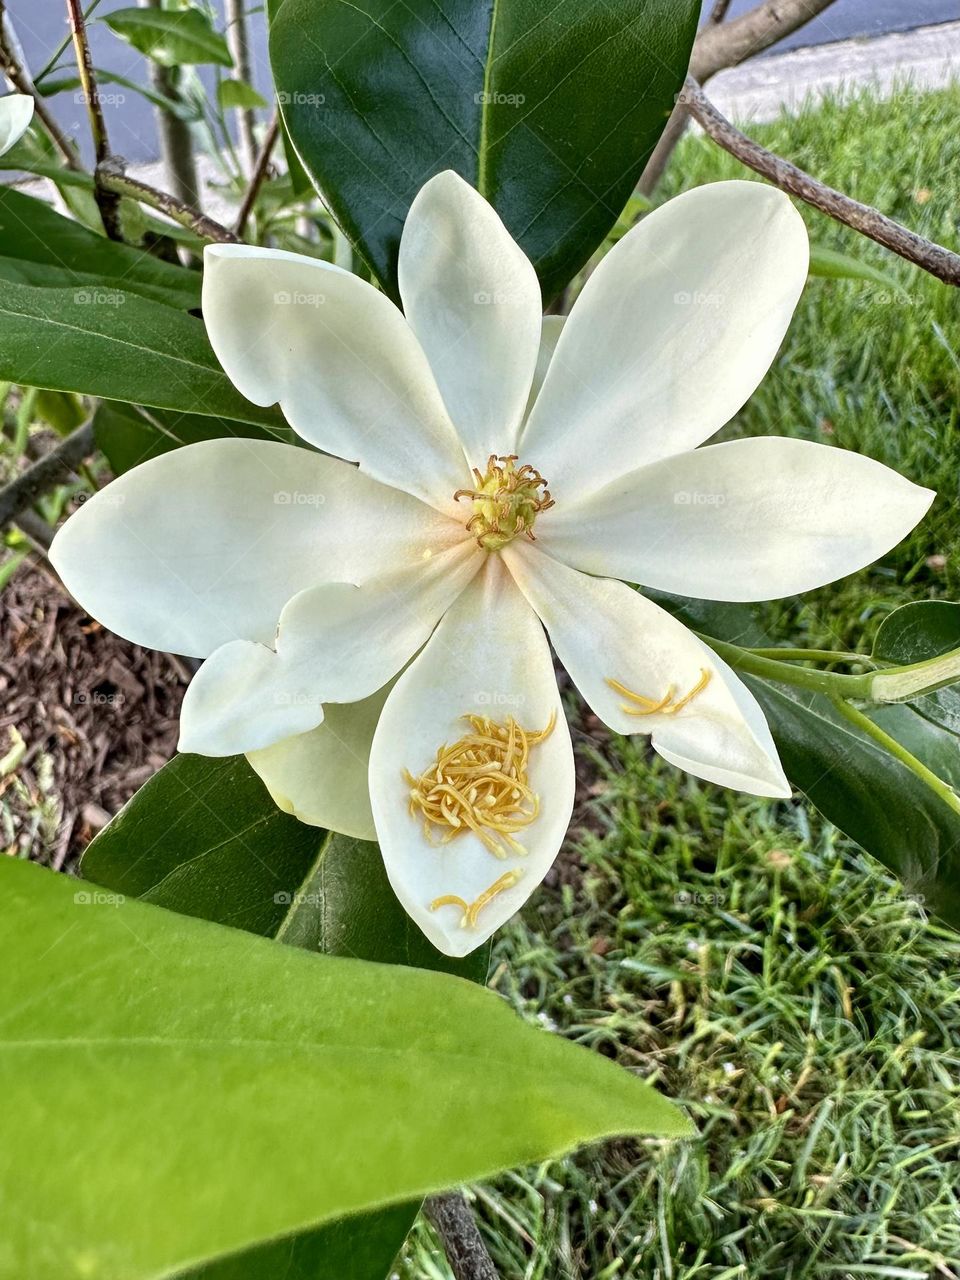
(480, 784)
(471, 910)
(506, 501)
(668, 705)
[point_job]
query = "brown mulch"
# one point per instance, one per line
(86, 719)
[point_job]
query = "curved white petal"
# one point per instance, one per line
(16, 112)
(670, 336)
(473, 299)
(490, 657)
(337, 642)
(206, 544)
(550, 329)
(603, 630)
(341, 360)
(321, 777)
(747, 520)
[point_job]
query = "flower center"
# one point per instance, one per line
(480, 784)
(506, 501)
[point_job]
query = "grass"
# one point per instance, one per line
(764, 970)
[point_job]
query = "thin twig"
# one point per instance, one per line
(258, 175)
(462, 1243)
(19, 77)
(870, 222)
(108, 202)
(53, 468)
(722, 44)
(206, 228)
(176, 140)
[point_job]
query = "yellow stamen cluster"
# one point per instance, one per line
(471, 910)
(668, 705)
(480, 784)
(506, 501)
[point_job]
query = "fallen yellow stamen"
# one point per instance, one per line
(667, 705)
(480, 784)
(471, 910)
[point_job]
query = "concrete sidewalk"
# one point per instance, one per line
(927, 58)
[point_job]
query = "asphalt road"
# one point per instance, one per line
(41, 26)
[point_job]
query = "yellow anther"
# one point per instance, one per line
(471, 910)
(667, 705)
(480, 784)
(506, 501)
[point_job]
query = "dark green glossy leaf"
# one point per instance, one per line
(231, 856)
(105, 341)
(172, 37)
(128, 435)
(549, 109)
(914, 633)
(64, 253)
(175, 1091)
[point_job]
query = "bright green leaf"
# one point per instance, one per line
(237, 93)
(549, 109)
(204, 1090)
(171, 36)
(833, 265)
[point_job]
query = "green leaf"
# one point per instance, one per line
(108, 342)
(171, 37)
(189, 112)
(128, 435)
(34, 235)
(833, 265)
(237, 93)
(549, 109)
(205, 1091)
(914, 633)
(231, 856)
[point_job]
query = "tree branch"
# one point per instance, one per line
(53, 468)
(17, 74)
(870, 222)
(462, 1243)
(258, 175)
(185, 214)
(108, 202)
(720, 45)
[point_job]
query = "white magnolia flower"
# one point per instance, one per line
(16, 112)
(374, 635)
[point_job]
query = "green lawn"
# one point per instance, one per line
(742, 952)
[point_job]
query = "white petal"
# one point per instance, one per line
(341, 360)
(550, 330)
(473, 299)
(670, 336)
(335, 643)
(747, 520)
(488, 657)
(321, 776)
(206, 544)
(603, 630)
(16, 112)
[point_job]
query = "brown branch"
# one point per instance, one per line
(462, 1243)
(719, 45)
(206, 228)
(258, 175)
(870, 222)
(53, 468)
(18, 76)
(108, 202)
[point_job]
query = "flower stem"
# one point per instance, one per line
(812, 655)
(899, 752)
(831, 683)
